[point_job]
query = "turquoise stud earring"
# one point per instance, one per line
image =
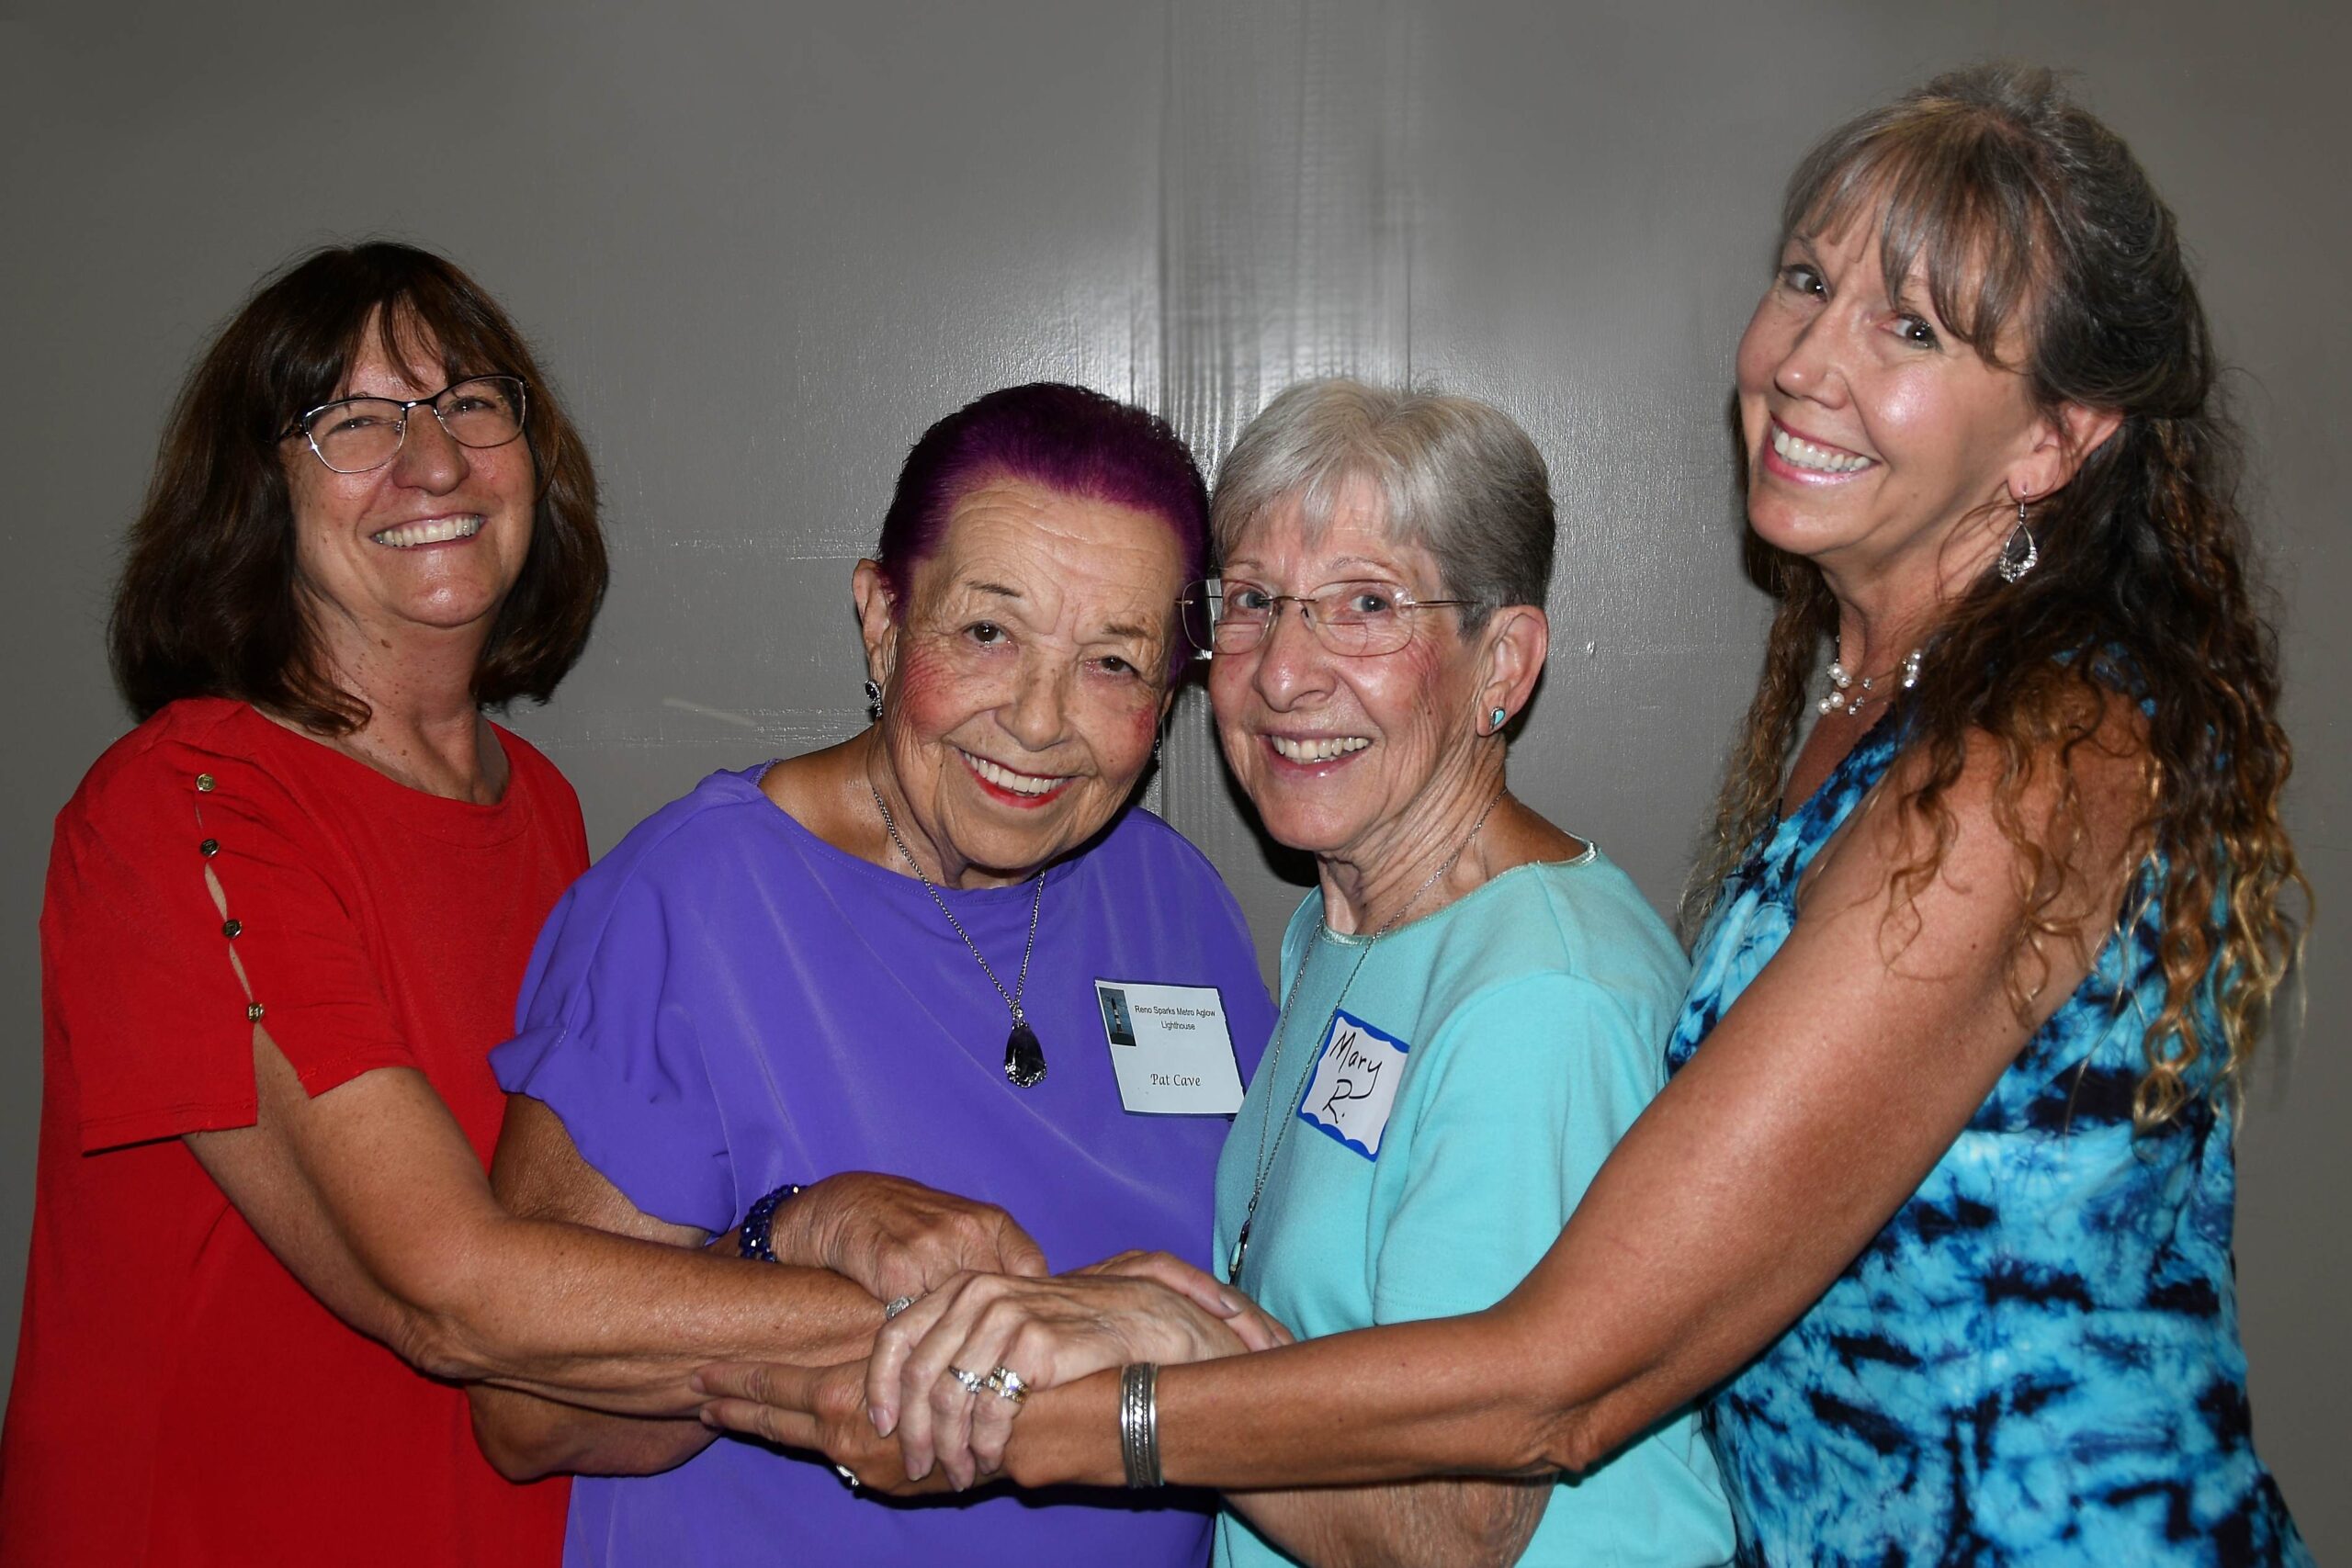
(1498, 715)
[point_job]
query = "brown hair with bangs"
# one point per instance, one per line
(209, 603)
(2019, 206)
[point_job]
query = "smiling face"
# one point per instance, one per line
(425, 547)
(1024, 678)
(1879, 446)
(1347, 758)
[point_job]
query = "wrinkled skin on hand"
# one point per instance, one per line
(1134, 1307)
(897, 1238)
(817, 1408)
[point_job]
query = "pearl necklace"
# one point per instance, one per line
(1843, 696)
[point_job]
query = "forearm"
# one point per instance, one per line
(587, 1316)
(370, 1195)
(1463, 1395)
(1412, 1523)
(526, 1437)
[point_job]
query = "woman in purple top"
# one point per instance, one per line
(943, 949)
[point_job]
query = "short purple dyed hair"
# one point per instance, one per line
(1068, 440)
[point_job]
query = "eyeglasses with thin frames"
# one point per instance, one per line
(353, 436)
(1354, 620)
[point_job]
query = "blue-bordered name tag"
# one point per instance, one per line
(1353, 1086)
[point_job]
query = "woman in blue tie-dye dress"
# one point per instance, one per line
(2037, 1359)
(1934, 1216)
(2045, 775)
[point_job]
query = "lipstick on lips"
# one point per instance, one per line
(1016, 789)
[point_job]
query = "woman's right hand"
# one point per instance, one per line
(1134, 1307)
(897, 1238)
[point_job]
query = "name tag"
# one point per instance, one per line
(1353, 1086)
(1169, 1048)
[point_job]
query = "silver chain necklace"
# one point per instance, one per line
(1266, 1156)
(1024, 1059)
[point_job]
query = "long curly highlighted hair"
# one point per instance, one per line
(2018, 206)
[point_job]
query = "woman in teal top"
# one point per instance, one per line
(1937, 1198)
(1440, 1106)
(1473, 1000)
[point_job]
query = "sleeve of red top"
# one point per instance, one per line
(158, 1021)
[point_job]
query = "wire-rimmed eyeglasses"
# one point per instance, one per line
(352, 436)
(1355, 620)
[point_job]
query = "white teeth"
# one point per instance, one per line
(432, 531)
(1317, 750)
(1799, 453)
(1005, 778)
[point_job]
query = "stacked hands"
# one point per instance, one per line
(932, 1406)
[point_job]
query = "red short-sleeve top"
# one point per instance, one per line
(179, 1397)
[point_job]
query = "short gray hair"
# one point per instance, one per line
(1457, 477)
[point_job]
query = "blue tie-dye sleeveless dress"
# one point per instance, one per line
(2037, 1361)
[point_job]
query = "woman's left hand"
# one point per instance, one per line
(819, 1408)
(1134, 1307)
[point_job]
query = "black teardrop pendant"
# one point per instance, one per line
(1024, 1059)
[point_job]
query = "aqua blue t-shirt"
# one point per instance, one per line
(1444, 1115)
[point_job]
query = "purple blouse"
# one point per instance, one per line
(727, 1003)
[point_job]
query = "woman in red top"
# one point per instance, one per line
(285, 922)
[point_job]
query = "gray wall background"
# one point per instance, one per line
(763, 247)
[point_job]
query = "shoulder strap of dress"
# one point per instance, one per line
(1853, 778)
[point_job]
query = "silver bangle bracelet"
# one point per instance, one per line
(1139, 1423)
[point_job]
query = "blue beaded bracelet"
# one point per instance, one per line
(761, 1222)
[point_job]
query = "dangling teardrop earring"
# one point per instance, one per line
(2015, 562)
(872, 703)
